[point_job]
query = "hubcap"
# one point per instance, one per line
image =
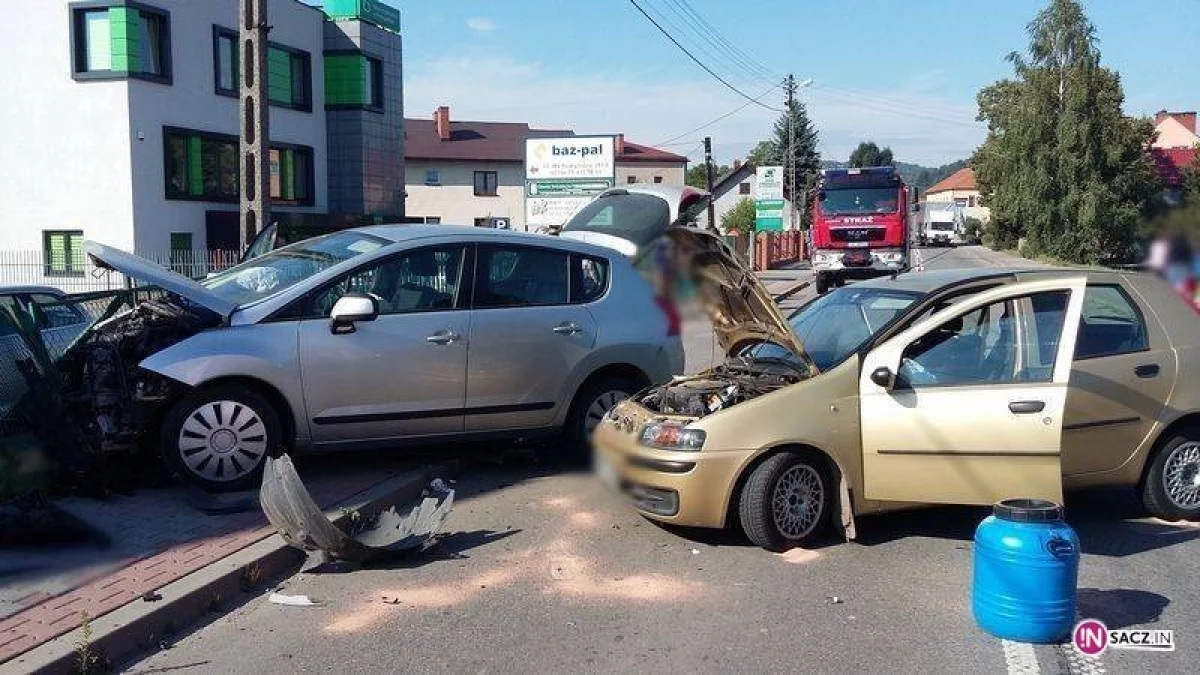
(797, 501)
(222, 441)
(1181, 476)
(600, 407)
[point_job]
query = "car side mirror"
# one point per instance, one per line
(349, 310)
(883, 377)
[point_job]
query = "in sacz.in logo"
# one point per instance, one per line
(1092, 638)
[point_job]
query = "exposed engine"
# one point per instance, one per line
(108, 397)
(737, 380)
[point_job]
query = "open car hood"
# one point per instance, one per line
(135, 267)
(741, 309)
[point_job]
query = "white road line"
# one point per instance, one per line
(1020, 658)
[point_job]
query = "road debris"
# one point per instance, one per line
(291, 600)
(834, 600)
(294, 514)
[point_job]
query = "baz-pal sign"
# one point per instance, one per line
(564, 174)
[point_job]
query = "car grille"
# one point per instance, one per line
(854, 234)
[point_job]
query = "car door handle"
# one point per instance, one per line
(567, 328)
(442, 337)
(1026, 407)
(1146, 371)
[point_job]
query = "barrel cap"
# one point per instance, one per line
(1028, 511)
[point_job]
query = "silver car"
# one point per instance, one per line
(372, 336)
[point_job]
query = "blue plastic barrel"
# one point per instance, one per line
(1026, 568)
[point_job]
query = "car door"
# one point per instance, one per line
(526, 337)
(1123, 374)
(403, 374)
(971, 409)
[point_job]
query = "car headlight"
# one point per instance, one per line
(671, 436)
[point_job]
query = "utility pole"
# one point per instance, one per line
(255, 136)
(708, 165)
(791, 151)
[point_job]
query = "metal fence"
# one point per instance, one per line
(79, 275)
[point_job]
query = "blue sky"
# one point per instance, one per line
(902, 74)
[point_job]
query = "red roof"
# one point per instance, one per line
(1171, 162)
(635, 152)
(500, 142)
(963, 179)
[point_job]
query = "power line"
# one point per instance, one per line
(722, 117)
(765, 73)
(698, 62)
(709, 34)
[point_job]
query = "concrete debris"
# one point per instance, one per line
(291, 600)
(834, 600)
(292, 511)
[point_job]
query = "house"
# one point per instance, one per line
(122, 122)
(473, 173)
(1175, 148)
(733, 187)
(959, 188)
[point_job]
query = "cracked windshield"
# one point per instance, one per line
(649, 336)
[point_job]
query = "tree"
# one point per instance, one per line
(1062, 166)
(740, 218)
(793, 125)
(697, 176)
(869, 154)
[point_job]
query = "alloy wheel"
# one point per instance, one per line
(600, 406)
(1181, 476)
(797, 501)
(222, 441)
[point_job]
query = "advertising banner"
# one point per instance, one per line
(768, 198)
(564, 174)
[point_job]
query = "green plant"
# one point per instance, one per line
(740, 218)
(87, 658)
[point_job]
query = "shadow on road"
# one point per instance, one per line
(1121, 607)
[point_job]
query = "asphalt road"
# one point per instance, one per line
(542, 570)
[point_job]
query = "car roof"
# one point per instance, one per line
(404, 233)
(932, 280)
(14, 290)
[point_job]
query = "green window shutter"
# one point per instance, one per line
(345, 75)
(75, 247)
(57, 247)
(279, 76)
(287, 174)
(124, 32)
(195, 166)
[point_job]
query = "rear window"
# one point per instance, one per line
(589, 278)
(637, 218)
(1110, 325)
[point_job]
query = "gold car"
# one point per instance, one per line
(950, 387)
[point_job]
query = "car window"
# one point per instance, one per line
(589, 278)
(1014, 340)
(7, 304)
(423, 280)
(1111, 324)
(53, 313)
(835, 325)
(632, 216)
(520, 277)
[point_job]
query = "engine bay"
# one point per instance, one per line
(739, 379)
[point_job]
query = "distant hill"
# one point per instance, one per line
(915, 175)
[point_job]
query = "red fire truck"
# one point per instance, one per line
(859, 225)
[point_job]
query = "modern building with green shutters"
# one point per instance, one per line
(120, 122)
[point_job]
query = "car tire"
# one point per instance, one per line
(218, 438)
(591, 403)
(776, 503)
(822, 283)
(1171, 489)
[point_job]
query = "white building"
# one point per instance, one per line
(741, 184)
(121, 117)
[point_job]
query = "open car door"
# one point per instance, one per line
(966, 406)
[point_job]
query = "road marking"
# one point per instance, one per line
(919, 264)
(1020, 658)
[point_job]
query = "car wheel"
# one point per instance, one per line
(785, 502)
(218, 438)
(590, 406)
(1171, 490)
(822, 283)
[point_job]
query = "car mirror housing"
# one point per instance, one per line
(882, 376)
(351, 309)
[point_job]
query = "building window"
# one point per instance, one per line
(433, 177)
(225, 61)
(485, 183)
(204, 166)
(631, 179)
(119, 40)
(744, 188)
(289, 77)
(971, 200)
(433, 220)
(62, 251)
(658, 179)
(181, 252)
(353, 80)
(960, 201)
(481, 222)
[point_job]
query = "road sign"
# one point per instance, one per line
(768, 198)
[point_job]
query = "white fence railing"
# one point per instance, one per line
(24, 268)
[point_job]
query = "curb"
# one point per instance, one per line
(792, 290)
(141, 625)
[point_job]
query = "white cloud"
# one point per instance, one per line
(919, 126)
(481, 24)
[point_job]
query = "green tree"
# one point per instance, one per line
(793, 124)
(869, 154)
(740, 218)
(697, 176)
(1062, 166)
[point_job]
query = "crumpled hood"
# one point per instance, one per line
(740, 307)
(141, 269)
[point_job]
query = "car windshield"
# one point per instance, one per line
(282, 268)
(848, 201)
(835, 325)
(941, 226)
(634, 217)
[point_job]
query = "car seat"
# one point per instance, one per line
(538, 280)
(411, 293)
